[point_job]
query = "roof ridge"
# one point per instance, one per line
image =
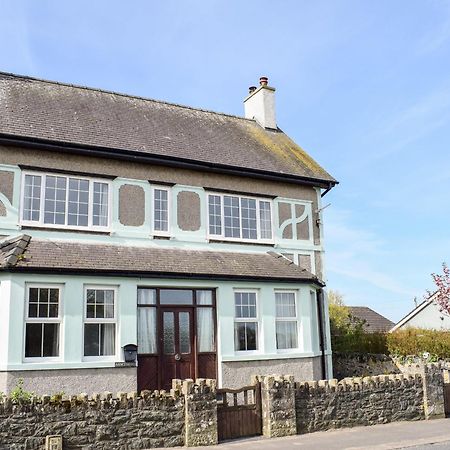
(121, 94)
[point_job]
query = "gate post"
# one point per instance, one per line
(278, 405)
(433, 391)
(200, 412)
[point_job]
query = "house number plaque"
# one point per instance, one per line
(53, 443)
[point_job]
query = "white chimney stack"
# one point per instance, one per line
(260, 104)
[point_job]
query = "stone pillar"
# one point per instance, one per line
(200, 411)
(433, 391)
(278, 405)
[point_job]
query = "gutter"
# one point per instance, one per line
(184, 163)
(148, 274)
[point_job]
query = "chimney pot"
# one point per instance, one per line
(263, 81)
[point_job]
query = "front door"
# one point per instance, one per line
(177, 344)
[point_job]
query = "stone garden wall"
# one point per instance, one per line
(126, 421)
(363, 365)
(187, 415)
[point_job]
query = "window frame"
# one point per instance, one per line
(169, 209)
(93, 320)
(295, 319)
(41, 224)
(222, 237)
(58, 320)
(256, 319)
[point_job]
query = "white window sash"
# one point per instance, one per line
(100, 321)
(41, 222)
(169, 208)
(43, 320)
(289, 319)
(255, 319)
(222, 236)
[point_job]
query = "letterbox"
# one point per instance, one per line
(130, 352)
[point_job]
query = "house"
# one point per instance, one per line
(373, 322)
(194, 235)
(426, 315)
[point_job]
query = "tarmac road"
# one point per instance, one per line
(421, 435)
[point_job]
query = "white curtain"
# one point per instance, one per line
(108, 338)
(146, 296)
(205, 322)
(146, 330)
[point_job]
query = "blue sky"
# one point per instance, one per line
(363, 86)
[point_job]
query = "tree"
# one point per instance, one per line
(442, 294)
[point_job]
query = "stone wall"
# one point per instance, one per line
(126, 421)
(359, 401)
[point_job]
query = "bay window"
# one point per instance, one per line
(239, 218)
(65, 201)
(42, 322)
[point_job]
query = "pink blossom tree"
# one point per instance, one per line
(442, 294)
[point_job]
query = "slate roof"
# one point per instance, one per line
(375, 322)
(69, 257)
(68, 114)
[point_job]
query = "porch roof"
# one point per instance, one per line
(45, 256)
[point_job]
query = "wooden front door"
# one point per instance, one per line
(177, 344)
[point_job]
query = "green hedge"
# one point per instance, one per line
(416, 341)
(402, 343)
(359, 342)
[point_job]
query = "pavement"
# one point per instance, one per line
(421, 435)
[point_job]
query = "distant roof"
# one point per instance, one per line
(55, 112)
(427, 302)
(23, 253)
(375, 323)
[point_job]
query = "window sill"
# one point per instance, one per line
(65, 229)
(241, 241)
(268, 356)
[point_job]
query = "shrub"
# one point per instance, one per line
(359, 342)
(19, 394)
(417, 341)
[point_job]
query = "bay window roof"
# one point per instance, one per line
(26, 254)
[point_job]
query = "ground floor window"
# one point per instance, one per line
(245, 321)
(43, 321)
(100, 321)
(286, 320)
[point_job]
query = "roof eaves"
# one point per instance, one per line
(71, 147)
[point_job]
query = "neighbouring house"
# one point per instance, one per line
(373, 321)
(426, 315)
(191, 236)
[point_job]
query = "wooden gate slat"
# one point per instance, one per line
(237, 419)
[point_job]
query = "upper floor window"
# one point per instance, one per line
(235, 218)
(65, 201)
(160, 210)
(43, 320)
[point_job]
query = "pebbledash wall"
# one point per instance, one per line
(72, 375)
(288, 408)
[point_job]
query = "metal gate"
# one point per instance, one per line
(239, 412)
(447, 399)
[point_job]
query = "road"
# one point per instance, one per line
(421, 435)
